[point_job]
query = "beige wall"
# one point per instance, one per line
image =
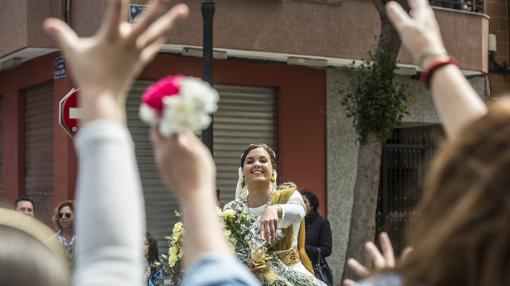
(13, 26)
(346, 31)
(21, 22)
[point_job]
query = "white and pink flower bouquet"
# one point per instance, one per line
(178, 103)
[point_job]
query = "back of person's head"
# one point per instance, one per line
(152, 242)
(312, 198)
(28, 254)
(461, 233)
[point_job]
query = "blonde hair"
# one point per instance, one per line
(55, 218)
(28, 253)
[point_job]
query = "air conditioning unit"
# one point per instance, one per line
(492, 43)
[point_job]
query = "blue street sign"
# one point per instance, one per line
(135, 11)
(59, 68)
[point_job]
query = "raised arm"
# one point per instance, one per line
(456, 102)
(188, 170)
(110, 217)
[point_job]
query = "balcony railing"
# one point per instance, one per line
(467, 5)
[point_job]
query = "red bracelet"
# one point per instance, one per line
(426, 76)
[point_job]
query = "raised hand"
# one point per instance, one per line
(105, 65)
(418, 30)
(185, 164)
(383, 260)
(456, 102)
(269, 223)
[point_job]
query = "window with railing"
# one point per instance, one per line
(467, 5)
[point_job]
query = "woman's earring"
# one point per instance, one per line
(243, 183)
(273, 179)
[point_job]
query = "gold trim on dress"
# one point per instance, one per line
(290, 257)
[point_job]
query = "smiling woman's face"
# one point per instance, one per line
(257, 166)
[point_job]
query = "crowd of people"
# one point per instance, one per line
(460, 238)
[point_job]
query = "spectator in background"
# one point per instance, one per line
(25, 205)
(318, 230)
(63, 219)
(220, 202)
(154, 271)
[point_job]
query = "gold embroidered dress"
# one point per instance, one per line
(289, 249)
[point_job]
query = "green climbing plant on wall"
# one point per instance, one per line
(373, 98)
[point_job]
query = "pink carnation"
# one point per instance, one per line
(167, 86)
(177, 103)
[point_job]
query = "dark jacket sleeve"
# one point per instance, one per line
(318, 236)
(311, 251)
(326, 239)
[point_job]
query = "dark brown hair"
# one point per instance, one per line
(24, 199)
(461, 233)
(272, 154)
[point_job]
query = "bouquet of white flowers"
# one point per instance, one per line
(251, 249)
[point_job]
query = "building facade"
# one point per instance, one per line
(279, 67)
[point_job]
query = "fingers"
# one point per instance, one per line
(406, 252)
(387, 249)
(397, 15)
(375, 255)
(110, 26)
(418, 4)
(61, 33)
(262, 230)
(357, 267)
(157, 142)
(162, 25)
(272, 228)
(149, 52)
(124, 11)
(348, 282)
(268, 230)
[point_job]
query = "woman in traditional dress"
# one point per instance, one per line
(281, 209)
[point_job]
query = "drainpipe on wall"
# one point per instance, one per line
(207, 57)
(67, 12)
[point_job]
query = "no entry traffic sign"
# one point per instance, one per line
(69, 113)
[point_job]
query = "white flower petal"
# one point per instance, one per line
(148, 115)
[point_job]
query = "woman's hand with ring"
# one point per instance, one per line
(269, 223)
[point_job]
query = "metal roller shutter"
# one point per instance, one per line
(159, 203)
(246, 115)
(39, 149)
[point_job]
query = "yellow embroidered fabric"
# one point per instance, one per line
(282, 197)
(289, 257)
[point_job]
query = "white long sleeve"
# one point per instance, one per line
(293, 211)
(110, 222)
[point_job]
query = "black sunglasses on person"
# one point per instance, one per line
(66, 215)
